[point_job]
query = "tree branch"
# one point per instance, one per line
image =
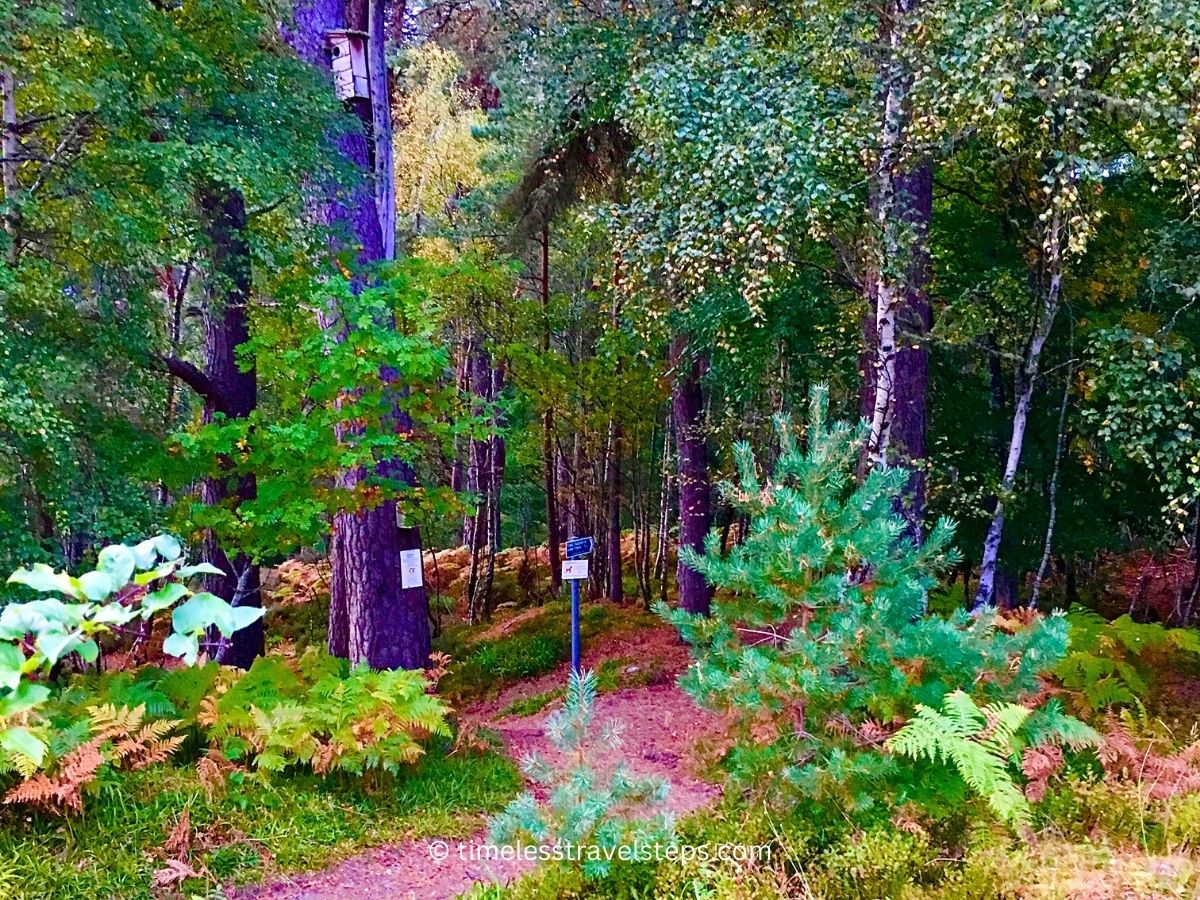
(196, 380)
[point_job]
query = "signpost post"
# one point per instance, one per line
(574, 570)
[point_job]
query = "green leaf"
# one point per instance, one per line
(168, 547)
(54, 645)
(184, 646)
(118, 561)
(202, 568)
(165, 596)
(36, 616)
(43, 578)
(113, 614)
(11, 661)
(163, 571)
(89, 650)
(144, 554)
(25, 697)
(97, 585)
(201, 611)
(246, 615)
(23, 742)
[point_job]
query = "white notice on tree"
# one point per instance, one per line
(411, 575)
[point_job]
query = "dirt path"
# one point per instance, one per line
(662, 729)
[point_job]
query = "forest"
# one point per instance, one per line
(824, 373)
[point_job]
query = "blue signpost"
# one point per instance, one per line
(575, 569)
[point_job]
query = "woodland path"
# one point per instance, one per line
(663, 729)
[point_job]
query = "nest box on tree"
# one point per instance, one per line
(348, 50)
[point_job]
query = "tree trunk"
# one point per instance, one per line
(1052, 493)
(549, 461)
(372, 619)
(234, 393)
(695, 491)
(1026, 381)
(616, 588)
(899, 318)
(381, 124)
(9, 150)
(662, 540)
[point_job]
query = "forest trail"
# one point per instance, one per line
(662, 735)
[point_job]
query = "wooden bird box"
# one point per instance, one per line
(348, 52)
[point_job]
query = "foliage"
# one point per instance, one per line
(130, 584)
(820, 648)
(101, 217)
(252, 830)
(1142, 399)
(985, 744)
(1113, 663)
(116, 738)
(322, 716)
(333, 403)
(588, 807)
(314, 712)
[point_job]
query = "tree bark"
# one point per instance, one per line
(1026, 381)
(616, 587)
(372, 619)
(9, 150)
(549, 459)
(695, 490)
(381, 124)
(234, 393)
(899, 316)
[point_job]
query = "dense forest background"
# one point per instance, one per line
(861, 335)
(612, 239)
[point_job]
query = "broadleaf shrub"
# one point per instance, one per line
(129, 586)
(820, 647)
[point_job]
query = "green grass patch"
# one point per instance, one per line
(298, 822)
(483, 668)
(528, 706)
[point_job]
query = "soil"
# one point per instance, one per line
(662, 729)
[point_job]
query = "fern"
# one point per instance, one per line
(984, 745)
(349, 722)
(117, 738)
(976, 742)
(1109, 665)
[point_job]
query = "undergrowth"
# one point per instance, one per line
(252, 829)
(483, 668)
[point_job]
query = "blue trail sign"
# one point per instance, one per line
(574, 571)
(578, 547)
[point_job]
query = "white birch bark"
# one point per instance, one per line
(1026, 382)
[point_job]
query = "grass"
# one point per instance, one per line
(483, 668)
(294, 823)
(528, 706)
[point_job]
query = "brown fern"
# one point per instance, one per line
(1039, 764)
(62, 790)
(135, 745)
(1165, 773)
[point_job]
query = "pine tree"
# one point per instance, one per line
(820, 646)
(591, 805)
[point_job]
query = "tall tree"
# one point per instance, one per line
(227, 388)
(373, 618)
